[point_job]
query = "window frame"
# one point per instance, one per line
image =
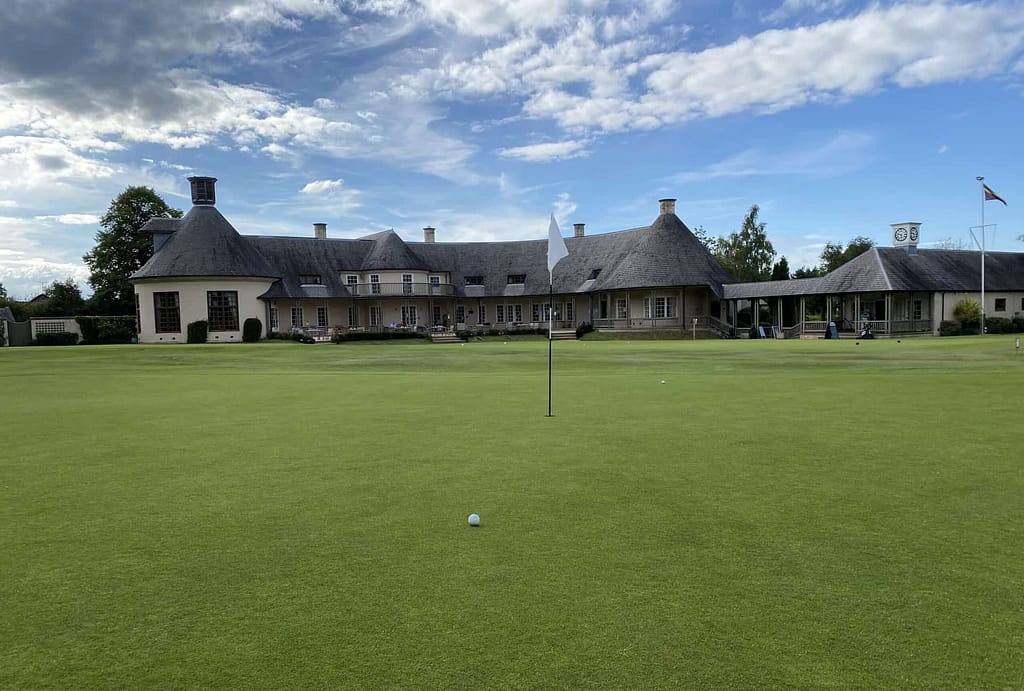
(159, 310)
(222, 318)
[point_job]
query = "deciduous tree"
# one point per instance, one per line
(120, 250)
(748, 254)
(834, 255)
(62, 299)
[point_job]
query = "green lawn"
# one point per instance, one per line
(777, 513)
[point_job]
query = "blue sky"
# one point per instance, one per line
(480, 118)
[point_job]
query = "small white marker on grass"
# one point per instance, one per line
(474, 520)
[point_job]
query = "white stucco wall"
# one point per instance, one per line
(192, 303)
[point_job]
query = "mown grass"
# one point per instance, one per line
(805, 514)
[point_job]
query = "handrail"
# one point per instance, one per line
(376, 290)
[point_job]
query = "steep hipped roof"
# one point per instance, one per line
(294, 257)
(205, 244)
(665, 254)
(390, 252)
(894, 269)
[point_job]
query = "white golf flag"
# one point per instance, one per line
(556, 245)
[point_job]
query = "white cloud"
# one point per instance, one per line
(8, 204)
(549, 151)
(791, 8)
(584, 81)
(494, 17)
(943, 149)
(42, 162)
(321, 186)
(72, 219)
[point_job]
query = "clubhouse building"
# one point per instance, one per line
(658, 276)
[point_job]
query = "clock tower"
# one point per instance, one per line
(906, 234)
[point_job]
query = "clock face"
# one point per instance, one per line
(913, 234)
(901, 234)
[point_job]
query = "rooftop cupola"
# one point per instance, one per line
(666, 206)
(428, 234)
(320, 231)
(204, 191)
(578, 230)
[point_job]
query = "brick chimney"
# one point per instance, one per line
(577, 230)
(203, 190)
(428, 234)
(320, 231)
(666, 206)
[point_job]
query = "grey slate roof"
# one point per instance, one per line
(205, 244)
(893, 269)
(6, 315)
(390, 252)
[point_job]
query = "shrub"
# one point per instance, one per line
(967, 310)
(197, 332)
(57, 339)
(583, 329)
(107, 329)
(950, 329)
(3, 333)
(999, 325)
(252, 329)
(376, 336)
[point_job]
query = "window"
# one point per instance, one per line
(296, 317)
(499, 314)
(375, 316)
(535, 312)
(321, 317)
(663, 308)
(567, 312)
(540, 312)
(460, 314)
(407, 284)
(481, 317)
(620, 308)
(168, 314)
(310, 279)
(1000, 304)
(437, 315)
(514, 279)
(353, 316)
(474, 280)
(375, 284)
(222, 310)
(351, 280)
(138, 314)
(273, 317)
(435, 280)
(516, 312)
(408, 315)
(916, 309)
(594, 274)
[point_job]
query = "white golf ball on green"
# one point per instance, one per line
(474, 520)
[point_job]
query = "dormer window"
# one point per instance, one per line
(474, 280)
(594, 274)
(515, 279)
(310, 279)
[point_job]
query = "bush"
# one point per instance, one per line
(583, 329)
(999, 325)
(57, 339)
(950, 329)
(252, 329)
(967, 310)
(107, 329)
(197, 332)
(342, 337)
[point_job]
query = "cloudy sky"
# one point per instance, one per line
(480, 117)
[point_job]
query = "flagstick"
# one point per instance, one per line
(981, 181)
(551, 294)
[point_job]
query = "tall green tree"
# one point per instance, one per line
(62, 299)
(705, 239)
(121, 250)
(3, 291)
(748, 254)
(780, 272)
(834, 255)
(807, 272)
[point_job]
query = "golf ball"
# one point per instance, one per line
(474, 520)
(662, 381)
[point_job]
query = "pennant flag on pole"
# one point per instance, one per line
(556, 245)
(990, 195)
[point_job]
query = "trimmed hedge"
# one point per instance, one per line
(374, 336)
(107, 329)
(57, 339)
(252, 329)
(583, 329)
(197, 332)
